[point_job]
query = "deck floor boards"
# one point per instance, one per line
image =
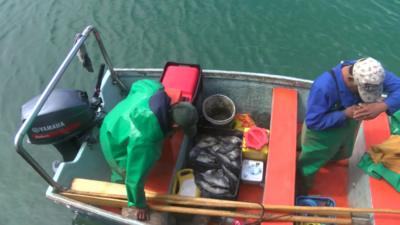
(331, 181)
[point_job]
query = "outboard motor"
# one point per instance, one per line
(62, 121)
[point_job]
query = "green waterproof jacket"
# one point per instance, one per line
(131, 140)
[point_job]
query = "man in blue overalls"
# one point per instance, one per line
(337, 102)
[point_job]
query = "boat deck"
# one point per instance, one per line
(332, 181)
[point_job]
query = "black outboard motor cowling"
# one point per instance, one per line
(64, 117)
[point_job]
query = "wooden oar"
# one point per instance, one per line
(225, 213)
(218, 203)
(112, 190)
(215, 203)
(113, 202)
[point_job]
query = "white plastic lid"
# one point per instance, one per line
(252, 170)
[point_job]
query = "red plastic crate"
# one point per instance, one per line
(183, 77)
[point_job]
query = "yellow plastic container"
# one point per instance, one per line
(255, 154)
(184, 184)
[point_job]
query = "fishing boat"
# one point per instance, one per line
(275, 102)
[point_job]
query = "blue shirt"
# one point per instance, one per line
(323, 97)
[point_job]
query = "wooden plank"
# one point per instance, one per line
(101, 189)
(98, 188)
(383, 194)
(281, 163)
(97, 200)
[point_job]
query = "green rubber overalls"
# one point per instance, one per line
(131, 139)
(320, 147)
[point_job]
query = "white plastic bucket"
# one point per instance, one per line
(219, 110)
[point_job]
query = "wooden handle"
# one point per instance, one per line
(118, 191)
(232, 214)
(217, 203)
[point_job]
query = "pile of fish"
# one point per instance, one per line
(217, 161)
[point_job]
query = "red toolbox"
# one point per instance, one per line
(185, 78)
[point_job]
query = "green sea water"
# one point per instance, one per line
(298, 38)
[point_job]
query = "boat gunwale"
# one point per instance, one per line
(226, 74)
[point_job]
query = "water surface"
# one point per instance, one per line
(298, 38)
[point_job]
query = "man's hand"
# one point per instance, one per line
(369, 111)
(141, 214)
(349, 111)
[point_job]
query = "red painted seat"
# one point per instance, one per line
(383, 195)
(280, 172)
(161, 174)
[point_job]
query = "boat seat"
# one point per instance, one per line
(383, 195)
(160, 176)
(281, 163)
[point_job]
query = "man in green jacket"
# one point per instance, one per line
(132, 134)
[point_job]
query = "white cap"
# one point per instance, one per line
(369, 74)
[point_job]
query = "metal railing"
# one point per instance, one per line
(26, 125)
